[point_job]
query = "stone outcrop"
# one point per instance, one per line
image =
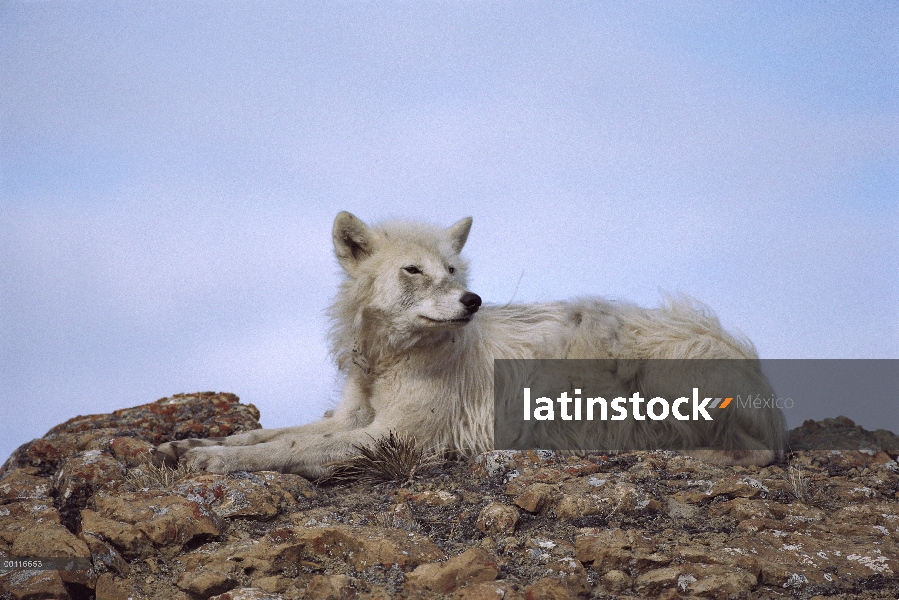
(515, 525)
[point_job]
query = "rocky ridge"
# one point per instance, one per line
(516, 525)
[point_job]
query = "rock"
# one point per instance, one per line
(262, 495)
(714, 581)
(25, 585)
(131, 451)
(131, 541)
(536, 497)
(840, 434)
(401, 517)
(679, 510)
(272, 584)
(547, 589)
(17, 517)
(616, 581)
(591, 542)
(82, 475)
(205, 414)
(342, 587)
(104, 556)
(18, 484)
(364, 547)
(165, 519)
(506, 463)
(52, 540)
(271, 555)
(213, 577)
(488, 590)
(571, 573)
(592, 496)
(655, 581)
(247, 594)
(110, 587)
(497, 518)
(475, 565)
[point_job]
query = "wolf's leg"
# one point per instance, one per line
(302, 450)
(171, 452)
(272, 449)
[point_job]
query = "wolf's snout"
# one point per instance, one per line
(472, 302)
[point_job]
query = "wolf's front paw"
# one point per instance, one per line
(170, 453)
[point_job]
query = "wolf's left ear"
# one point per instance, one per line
(458, 233)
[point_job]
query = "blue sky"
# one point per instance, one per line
(169, 173)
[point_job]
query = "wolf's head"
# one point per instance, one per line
(404, 278)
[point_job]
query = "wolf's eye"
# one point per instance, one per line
(412, 270)
(451, 270)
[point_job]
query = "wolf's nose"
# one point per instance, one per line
(471, 301)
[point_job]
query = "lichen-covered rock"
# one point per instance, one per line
(548, 588)
(82, 475)
(260, 495)
(51, 540)
(130, 541)
(497, 518)
(475, 565)
(248, 594)
(21, 516)
(515, 524)
(131, 451)
(364, 547)
(592, 496)
(536, 497)
(103, 555)
(19, 484)
(210, 579)
(21, 584)
(841, 433)
(110, 587)
(508, 463)
(205, 414)
(167, 520)
(341, 587)
(488, 590)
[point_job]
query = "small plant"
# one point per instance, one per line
(150, 476)
(799, 484)
(395, 458)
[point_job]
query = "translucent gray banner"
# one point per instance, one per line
(67, 563)
(734, 405)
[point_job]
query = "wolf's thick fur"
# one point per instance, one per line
(417, 350)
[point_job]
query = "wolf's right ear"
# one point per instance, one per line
(458, 234)
(353, 241)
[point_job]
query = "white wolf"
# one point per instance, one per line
(417, 350)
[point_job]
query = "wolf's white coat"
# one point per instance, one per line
(418, 361)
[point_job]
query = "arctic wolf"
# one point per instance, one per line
(417, 347)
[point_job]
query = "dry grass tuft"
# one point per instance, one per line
(153, 477)
(395, 458)
(799, 484)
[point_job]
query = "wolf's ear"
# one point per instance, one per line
(458, 233)
(353, 241)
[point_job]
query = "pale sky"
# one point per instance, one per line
(169, 174)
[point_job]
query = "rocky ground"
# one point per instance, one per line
(514, 525)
